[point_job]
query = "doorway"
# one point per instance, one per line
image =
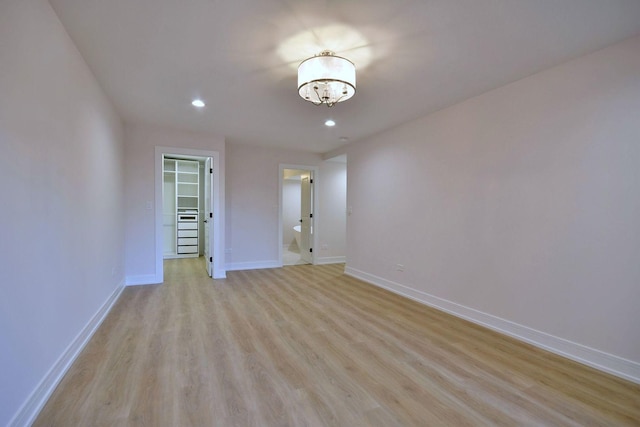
(297, 203)
(183, 206)
(188, 221)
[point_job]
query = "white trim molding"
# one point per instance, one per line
(331, 260)
(606, 362)
(218, 207)
(30, 409)
(252, 265)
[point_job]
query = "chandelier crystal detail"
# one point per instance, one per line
(326, 79)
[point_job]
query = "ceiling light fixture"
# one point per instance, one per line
(198, 103)
(326, 79)
(330, 123)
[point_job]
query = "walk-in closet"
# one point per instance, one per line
(182, 207)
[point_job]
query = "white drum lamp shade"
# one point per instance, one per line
(326, 79)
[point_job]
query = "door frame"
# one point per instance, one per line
(208, 209)
(219, 271)
(314, 236)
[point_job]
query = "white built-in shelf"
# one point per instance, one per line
(181, 230)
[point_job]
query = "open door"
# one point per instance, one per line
(306, 219)
(208, 215)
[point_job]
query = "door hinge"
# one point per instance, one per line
(310, 215)
(310, 181)
(210, 170)
(210, 259)
(310, 249)
(210, 214)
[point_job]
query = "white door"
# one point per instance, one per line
(306, 217)
(208, 215)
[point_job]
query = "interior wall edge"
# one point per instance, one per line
(30, 409)
(618, 366)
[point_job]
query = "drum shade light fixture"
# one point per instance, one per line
(326, 79)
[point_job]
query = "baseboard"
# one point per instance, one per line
(152, 279)
(252, 265)
(219, 274)
(27, 414)
(179, 256)
(330, 260)
(606, 362)
(143, 279)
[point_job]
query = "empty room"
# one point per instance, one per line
(320, 213)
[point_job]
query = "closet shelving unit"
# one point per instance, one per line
(181, 208)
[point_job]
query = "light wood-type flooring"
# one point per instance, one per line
(309, 346)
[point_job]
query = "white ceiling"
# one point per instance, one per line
(152, 57)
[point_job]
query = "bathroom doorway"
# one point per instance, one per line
(296, 219)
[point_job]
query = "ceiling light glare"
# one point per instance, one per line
(198, 103)
(338, 38)
(330, 123)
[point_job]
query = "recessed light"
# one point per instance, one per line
(330, 123)
(198, 103)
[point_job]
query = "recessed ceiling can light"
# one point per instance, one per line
(198, 103)
(330, 123)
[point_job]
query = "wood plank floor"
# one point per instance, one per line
(309, 346)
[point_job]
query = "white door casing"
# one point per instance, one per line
(208, 215)
(217, 203)
(306, 219)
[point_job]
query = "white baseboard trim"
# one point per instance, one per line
(179, 256)
(27, 414)
(606, 362)
(330, 260)
(143, 279)
(252, 265)
(219, 274)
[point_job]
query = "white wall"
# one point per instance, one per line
(332, 219)
(251, 177)
(252, 203)
(522, 203)
(61, 185)
(141, 141)
(291, 203)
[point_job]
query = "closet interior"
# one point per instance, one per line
(182, 204)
